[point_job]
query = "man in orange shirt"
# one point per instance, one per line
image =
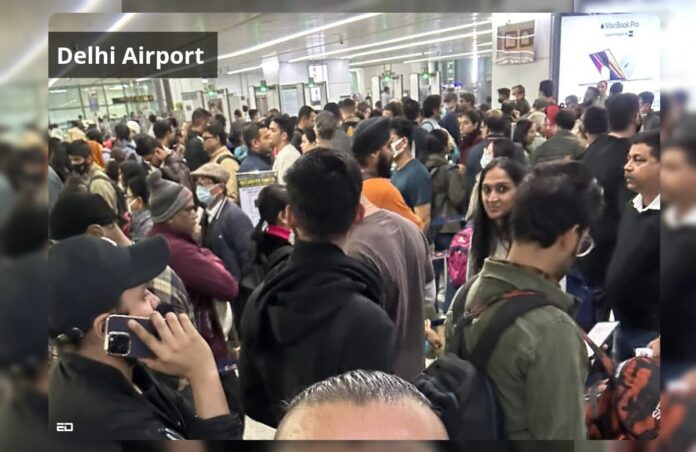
(372, 149)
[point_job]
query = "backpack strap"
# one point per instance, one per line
(515, 304)
(224, 157)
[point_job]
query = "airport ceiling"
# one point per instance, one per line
(244, 39)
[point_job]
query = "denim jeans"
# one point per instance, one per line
(627, 339)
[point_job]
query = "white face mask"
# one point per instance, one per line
(398, 147)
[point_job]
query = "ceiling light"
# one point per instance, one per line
(448, 57)
(56, 91)
(274, 42)
(142, 79)
(399, 57)
(246, 69)
(422, 43)
(390, 41)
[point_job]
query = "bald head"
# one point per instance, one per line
(361, 405)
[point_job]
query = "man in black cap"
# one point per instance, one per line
(116, 398)
(78, 213)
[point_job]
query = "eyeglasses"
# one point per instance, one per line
(586, 246)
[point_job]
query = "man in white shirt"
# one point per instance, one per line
(281, 129)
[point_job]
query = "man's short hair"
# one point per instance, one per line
(621, 110)
(596, 121)
(450, 97)
(285, 124)
(507, 107)
(430, 104)
(594, 90)
(145, 144)
(326, 124)
(402, 127)
(468, 98)
(396, 109)
(565, 119)
(616, 88)
(496, 121)
(552, 199)
(122, 131)
(251, 132)
(411, 109)
(572, 99)
(161, 128)
(79, 148)
(217, 130)
(199, 116)
(359, 387)
(238, 113)
(504, 91)
(305, 112)
(651, 139)
(348, 105)
(546, 87)
(324, 189)
(647, 97)
(520, 88)
(540, 104)
(333, 108)
(95, 135)
(253, 112)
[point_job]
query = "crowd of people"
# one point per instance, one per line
(394, 233)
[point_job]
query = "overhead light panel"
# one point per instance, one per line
(300, 34)
(422, 43)
(399, 57)
(246, 69)
(391, 41)
(448, 57)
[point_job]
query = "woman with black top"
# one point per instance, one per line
(495, 199)
(271, 232)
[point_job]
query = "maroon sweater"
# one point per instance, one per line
(206, 279)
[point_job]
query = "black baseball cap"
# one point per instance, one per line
(23, 301)
(88, 276)
(74, 212)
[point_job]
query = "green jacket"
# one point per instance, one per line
(540, 364)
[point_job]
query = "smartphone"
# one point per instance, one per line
(121, 341)
(599, 334)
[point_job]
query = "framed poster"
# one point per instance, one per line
(515, 43)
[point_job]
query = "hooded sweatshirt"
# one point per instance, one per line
(314, 317)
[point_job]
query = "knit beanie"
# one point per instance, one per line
(166, 197)
(370, 135)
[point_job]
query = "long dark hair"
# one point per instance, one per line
(270, 202)
(485, 229)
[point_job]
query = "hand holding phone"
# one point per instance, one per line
(120, 340)
(180, 349)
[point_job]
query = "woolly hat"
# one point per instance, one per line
(166, 197)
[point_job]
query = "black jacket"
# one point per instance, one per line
(228, 235)
(194, 153)
(606, 158)
(103, 405)
(315, 317)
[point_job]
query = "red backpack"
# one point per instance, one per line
(458, 256)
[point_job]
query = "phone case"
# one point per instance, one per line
(118, 325)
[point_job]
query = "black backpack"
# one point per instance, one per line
(253, 275)
(457, 384)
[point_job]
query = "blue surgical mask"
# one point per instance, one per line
(204, 196)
